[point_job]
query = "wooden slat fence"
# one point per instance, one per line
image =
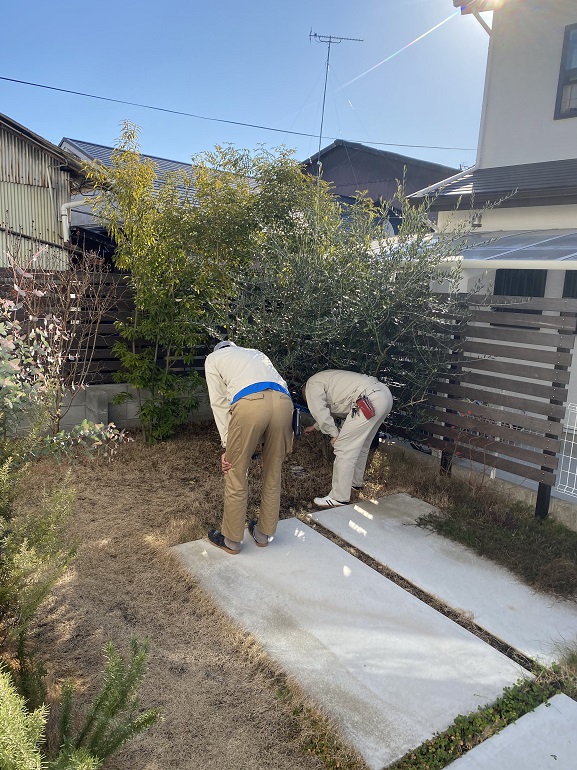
(119, 306)
(502, 404)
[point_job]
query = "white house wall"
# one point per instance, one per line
(517, 124)
(527, 218)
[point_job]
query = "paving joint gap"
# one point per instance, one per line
(432, 601)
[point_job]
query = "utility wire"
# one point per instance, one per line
(218, 120)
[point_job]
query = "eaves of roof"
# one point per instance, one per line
(477, 6)
(68, 161)
(548, 183)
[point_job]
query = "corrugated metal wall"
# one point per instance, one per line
(33, 187)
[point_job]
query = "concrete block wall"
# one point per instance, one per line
(96, 404)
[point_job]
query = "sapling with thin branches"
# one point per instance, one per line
(61, 302)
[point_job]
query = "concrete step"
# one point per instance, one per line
(388, 669)
(539, 626)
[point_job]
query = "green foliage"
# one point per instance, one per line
(250, 244)
(113, 719)
(115, 716)
(20, 732)
(468, 731)
(329, 290)
(21, 391)
(151, 224)
(88, 439)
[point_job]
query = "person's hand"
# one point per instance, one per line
(226, 466)
(334, 438)
(310, 429)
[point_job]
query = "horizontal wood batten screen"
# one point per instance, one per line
(503, 402)
(102, 337)
(104, 363)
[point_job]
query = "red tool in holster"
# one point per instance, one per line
(365, 406)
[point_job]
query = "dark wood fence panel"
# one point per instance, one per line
(502, 404)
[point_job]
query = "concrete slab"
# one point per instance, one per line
(545, 739)
(539, 626)
(388, 669)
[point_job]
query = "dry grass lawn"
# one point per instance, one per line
(223, 703)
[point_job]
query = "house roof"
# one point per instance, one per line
(549, 249)
(69, 162)
(88, 151)
(393, 156)
(531, 184)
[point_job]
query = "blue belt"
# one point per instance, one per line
(258, 387)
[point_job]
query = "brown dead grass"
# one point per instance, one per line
(224, 703)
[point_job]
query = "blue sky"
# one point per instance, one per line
(250, 62)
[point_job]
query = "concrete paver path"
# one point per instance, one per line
(538, 626)
(387, 668)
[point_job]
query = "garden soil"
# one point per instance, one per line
(220, 696)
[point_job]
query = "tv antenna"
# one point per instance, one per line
(329, 40)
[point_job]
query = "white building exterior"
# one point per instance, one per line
(521, 194)
(518, 122)
(520, 198)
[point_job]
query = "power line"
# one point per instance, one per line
(219, 120)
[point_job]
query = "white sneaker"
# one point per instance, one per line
(327, 502)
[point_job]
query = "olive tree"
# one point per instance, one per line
(336, 292)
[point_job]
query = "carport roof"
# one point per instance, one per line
(522, 245)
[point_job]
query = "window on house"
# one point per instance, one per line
(520, 283)
(566, 106)
(570, 284)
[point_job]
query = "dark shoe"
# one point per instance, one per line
(217, 538)
(251, 525)
(361, 486)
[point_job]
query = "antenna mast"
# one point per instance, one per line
(329, 40)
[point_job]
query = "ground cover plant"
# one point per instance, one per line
(468, 731)
(224, 703)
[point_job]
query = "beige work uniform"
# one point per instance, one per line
(333, 393)
(263, 416)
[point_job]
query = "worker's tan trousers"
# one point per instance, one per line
(354, 441)
(259, 417)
